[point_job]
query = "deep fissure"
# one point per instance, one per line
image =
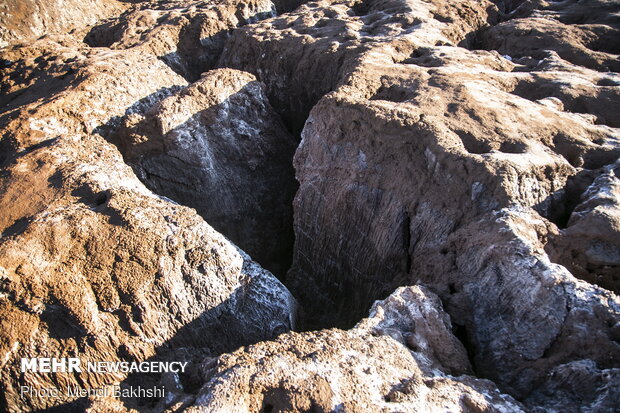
(293, 124)
(560, 216)
(408, 253)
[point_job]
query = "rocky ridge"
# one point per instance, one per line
(466, 148)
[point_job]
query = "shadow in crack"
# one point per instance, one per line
(17, 228)
(559, 206)
(343, 285)
(196, 53)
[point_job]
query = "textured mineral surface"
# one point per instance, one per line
(327, 206)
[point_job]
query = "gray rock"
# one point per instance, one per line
(217, 146)
(589, 246)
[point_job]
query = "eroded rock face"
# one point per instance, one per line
(424, 149)
(302, 55)
(93, 264)
(219, 147)
(468, 146)
(404, 229)
(392, 361)
(519, 309)
(589, 246)
(187, 39)
(584, 33)
(524, 315)
(445, 150)
(187, 36)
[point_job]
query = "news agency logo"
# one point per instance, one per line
(51, 365)
(74, 365)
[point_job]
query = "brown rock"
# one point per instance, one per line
(22, 20)
(584, 33)
(188, 36)
(302, 55)
(93, 264)
(367, 368)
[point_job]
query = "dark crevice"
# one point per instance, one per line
(559, 206)
(460, 332)
(6, 151)
(579, 232)
(60, 321)
(394, 93)
(361, 8)
(472, 144)
(563, 206)
(17, 228)
(104, 34)
(267, 408)
(407, 242)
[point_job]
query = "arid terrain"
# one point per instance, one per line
(327, 206)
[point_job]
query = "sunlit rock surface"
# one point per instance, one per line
(93, 264)
(26, 20)
(457, 157)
